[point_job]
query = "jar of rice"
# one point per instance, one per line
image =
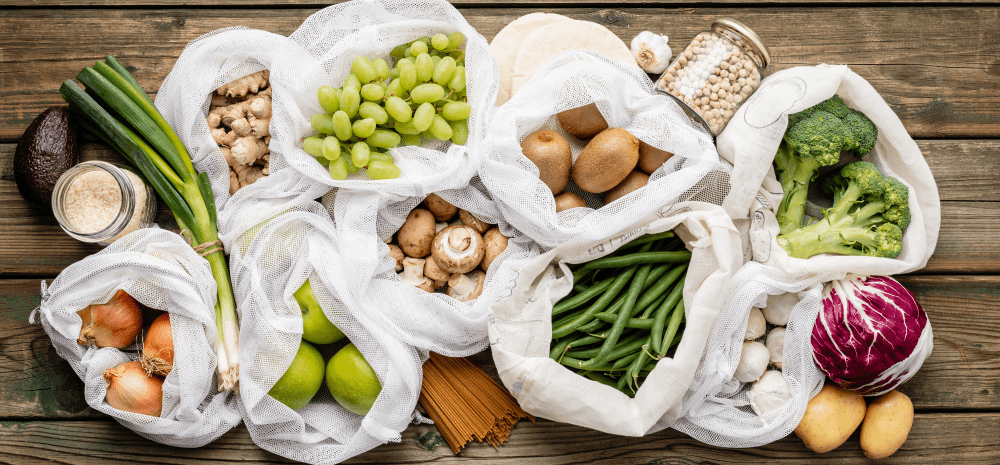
(100, 202)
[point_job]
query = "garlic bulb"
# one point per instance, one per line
(776, 346)
(753, 362)
(779, 307)
(651, 52)
(756, 325)
(769, 393)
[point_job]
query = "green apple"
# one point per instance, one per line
(316, 327)
(302, 380)
(352, 381)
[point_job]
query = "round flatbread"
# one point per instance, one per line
(508, 41)
(550, 40)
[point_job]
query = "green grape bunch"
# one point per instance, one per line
(421, 97)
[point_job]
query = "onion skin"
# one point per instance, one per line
(114, 324)
(158, 347)
(131, 390)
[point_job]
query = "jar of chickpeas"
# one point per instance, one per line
(716, 73)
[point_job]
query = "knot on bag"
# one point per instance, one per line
(205, 249)
(34, 318)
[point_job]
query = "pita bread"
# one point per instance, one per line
(508, 41)
(552, 39)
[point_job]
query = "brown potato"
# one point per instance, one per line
(568, 200)
(830, 418)
(887, 423)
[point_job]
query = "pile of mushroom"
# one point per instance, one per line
(433, 254)
(244, 107)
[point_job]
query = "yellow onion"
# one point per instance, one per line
(132, 390)
(158, 347)
(114, 324)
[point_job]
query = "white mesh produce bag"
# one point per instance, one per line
(335, 35)
(269, 264)
(520, 329)
(717, 408)
(162, 272)
(627, 100)
(432, 321)
(752, 137)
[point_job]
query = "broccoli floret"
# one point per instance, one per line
(869, 214)
(815, 138)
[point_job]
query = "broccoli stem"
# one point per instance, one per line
(795, 178)
(804, 244)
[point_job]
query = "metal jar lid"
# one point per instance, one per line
(753, 40)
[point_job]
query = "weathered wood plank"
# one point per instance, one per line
(456, 3)
(963, 372)
(942, 78)
(935, 438)
(969, 241)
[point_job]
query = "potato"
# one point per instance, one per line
(887, 423)
(830, 418)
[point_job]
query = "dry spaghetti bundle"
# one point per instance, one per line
(466, 404)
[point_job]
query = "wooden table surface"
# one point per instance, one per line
(935, 63)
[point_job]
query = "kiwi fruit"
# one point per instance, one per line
(606, 160)
(583, 122)
(651, 158)
(568, 200)
(632, 182)
(550, 153)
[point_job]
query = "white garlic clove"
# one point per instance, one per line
(779, 308)
(753, 362)
(651, 52)
(769, 393)
(776, 346)
(756, 325)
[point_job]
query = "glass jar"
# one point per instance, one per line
(100, 202)
(716, 73)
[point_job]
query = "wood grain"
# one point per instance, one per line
(935, 438)
(962, 373)
(942, 78)
(966, 171)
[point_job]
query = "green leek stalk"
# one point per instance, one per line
(148, 142)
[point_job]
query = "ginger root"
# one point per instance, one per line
(239, 118)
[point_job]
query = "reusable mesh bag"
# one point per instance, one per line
(520, 328)
(626, 99)
(716, 407)
(270, 262)
(162, 272)
(335, 35)
(752, 137)
(428, 320)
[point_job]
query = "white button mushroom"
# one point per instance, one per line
(756, 326)
(413, 274)
(465, 288)
(433, 271)
(397, 254)
(417, 233)
(458, 249)
(496, 243)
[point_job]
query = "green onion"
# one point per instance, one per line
(135, 129)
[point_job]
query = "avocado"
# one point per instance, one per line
(46, 150)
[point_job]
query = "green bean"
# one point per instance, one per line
(621, 384)
(661, 314)
(638, 258)
(649, 308)
(638, 363)
(655, 274)
(662, 285)
(634, 323)
(577, 300)
(577, 363)
(600, 304)
(626, 360)
(675, 322)
(559, 349)
(633, 343)
(605, 380)
(586, 340)
(624, 313)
